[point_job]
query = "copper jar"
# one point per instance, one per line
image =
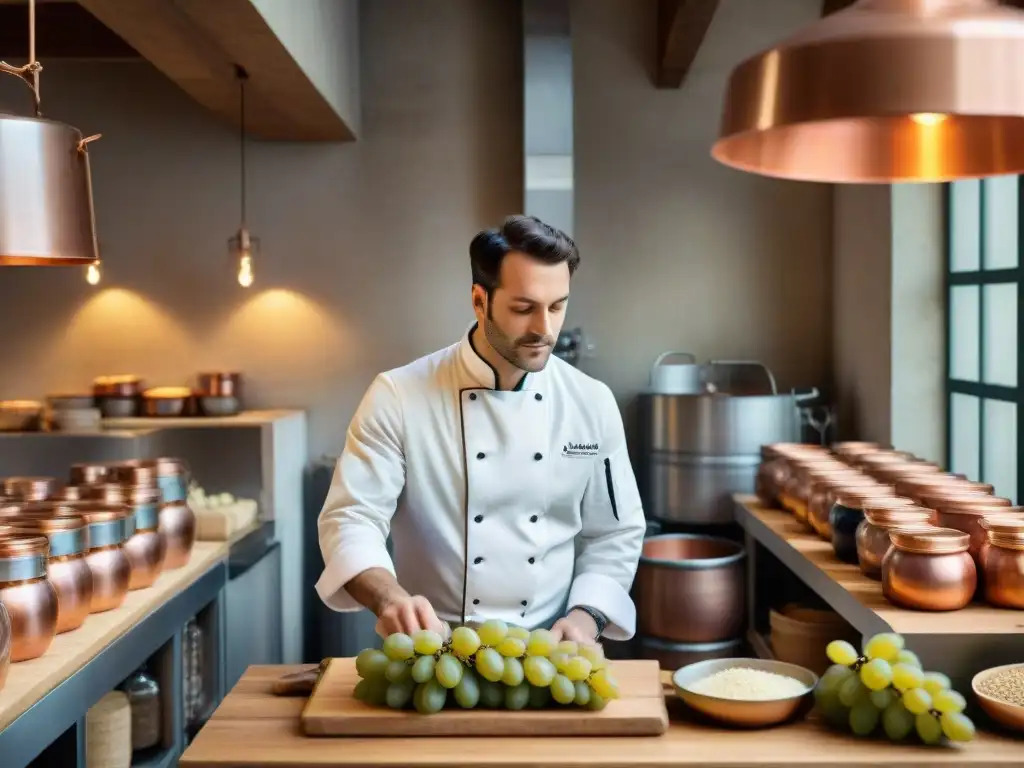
(795, 494)
(775, 468)
(5, 644)
(66, 568)
(1002, 561)
(819, 508)
(929, 570)
(847, 513)
(89, 473)
(220, 384)
(851, 449)
(28, 595)
(30, 488)
(691, 588)
(867, 461)
(109, 527)
(173, 477)
(919, 486)
(897, 470)
(872, 536)
(133, 472)
(965, 514)
(177, 521)
(146, 548)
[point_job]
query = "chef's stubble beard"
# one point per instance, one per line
(508, 348)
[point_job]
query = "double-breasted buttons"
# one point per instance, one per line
(476, 601)
(538, 456)
(480, 519)
(472, 395)
(477, 561)
(538, 396)
(523, 603)
(532, 560)
(480, 455)
(533, 518)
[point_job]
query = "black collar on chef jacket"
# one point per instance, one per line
(494, 373)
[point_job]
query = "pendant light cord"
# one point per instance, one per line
(242, 77)
(30, 72)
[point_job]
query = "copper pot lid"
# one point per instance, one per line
(167, 393)
(965, 502)
(909, 518)
(23, 545)
(855, 447)
(891, 504)
(29, 486)
(930, 541)
(856, 498)
(105, 514)
(88, 473)
(110, 493)
(141, 494)
(47, 522)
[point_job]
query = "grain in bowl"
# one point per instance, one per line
(748, 684)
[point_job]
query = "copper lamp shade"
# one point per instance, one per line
(884, 91)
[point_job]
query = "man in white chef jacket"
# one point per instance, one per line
(500, 471)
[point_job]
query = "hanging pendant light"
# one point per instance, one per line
(243, 246)
(46, 205)
(884, 91)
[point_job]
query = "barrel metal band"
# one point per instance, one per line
(106, 534)
(64, 543)
(146, 517)
(22, 568)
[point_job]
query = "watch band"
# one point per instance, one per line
(599, 618)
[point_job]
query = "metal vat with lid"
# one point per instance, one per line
(702, 428)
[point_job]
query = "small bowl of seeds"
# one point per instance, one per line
(1000, 692)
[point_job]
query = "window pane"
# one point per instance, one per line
(1000, 222)
(964, 434)
(965, 226)
(1001, 448)
(964, 330)
(1000, 342)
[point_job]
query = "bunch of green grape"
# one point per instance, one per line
(495, 666)
(886, 685)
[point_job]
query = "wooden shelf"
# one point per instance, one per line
(243, 419)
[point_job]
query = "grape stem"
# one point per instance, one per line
(860, 662)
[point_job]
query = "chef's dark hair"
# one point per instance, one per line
(526, 234)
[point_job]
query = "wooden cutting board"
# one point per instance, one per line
(332, 710)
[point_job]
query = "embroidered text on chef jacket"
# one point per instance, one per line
(515, 505)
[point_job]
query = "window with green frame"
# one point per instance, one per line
(983, 364)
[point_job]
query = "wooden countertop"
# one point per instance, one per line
(976, 618)
(252, 727)
(29, 681)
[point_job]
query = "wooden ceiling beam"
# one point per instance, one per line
(64, 30)
(682, 25)
(202, 59)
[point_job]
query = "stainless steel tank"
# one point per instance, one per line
(701, 447)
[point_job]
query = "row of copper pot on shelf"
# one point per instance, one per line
(936, 540)
(68, 551)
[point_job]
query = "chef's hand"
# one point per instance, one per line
(578, 626)
(408, 614)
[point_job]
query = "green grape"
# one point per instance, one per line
(834, 676)
(423, 669)
(909, 658)
(841, 652)
(948, 701)
(465, 641)
(883, 698)
(594, 655)
(490, 664)
(371, 663)
(467, 692)
(957, 726)
(426, 642)
(448, 671)
(834, 712)
(511, 647)
(582, 696)
(398, 646)
(596, 702)
(399, 694)
(917, 700)
(577, 668)
(604, 685)
(539, 697)
(513, 674)
(539, 671)
(372, 691)
(563, 690)
(519, 633)
(568, 647)
(492, 695)
(541, 643)
(897, 721)
(864, 718)
(876, 674)
(517, 697)
(560, 660)
(492, 632)
(928, 728)
(885, 646)
(398, 671)
(935, 682)
(905, 677)
(430, 697)
(852, 691)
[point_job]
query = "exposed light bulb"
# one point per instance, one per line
(245, 276)
(928, 118)
(92, 273)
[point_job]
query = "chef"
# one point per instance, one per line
(500, 471)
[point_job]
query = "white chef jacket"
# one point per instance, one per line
(514, 505)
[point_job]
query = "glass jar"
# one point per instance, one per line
(147, 718)
(873, 534)
(193, 671)
(1002, 561)
(929, 570)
